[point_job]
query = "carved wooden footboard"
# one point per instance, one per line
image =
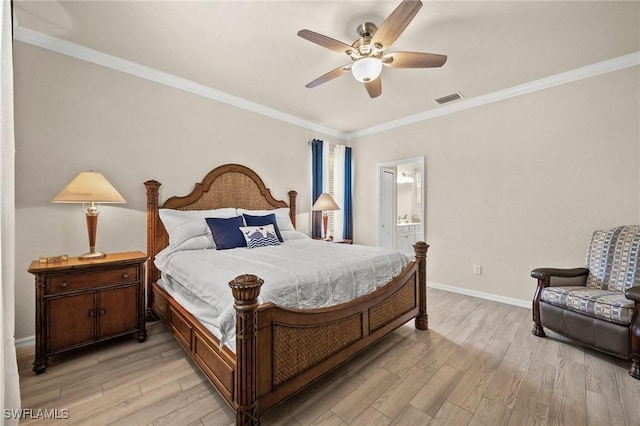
(278, 351)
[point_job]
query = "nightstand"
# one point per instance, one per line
(336, 242)
(81, 302)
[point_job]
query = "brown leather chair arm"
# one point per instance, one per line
(544, 273)
(553, 277)
(633, 293)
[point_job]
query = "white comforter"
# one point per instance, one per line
(301, 273)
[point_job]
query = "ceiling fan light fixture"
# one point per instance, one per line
(368, 53)
(366, 69)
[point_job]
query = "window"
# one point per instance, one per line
(331, 170)
(330, 186)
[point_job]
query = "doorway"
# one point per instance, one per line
(401, 206)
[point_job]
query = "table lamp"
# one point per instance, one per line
(325, 203)
(90, 187)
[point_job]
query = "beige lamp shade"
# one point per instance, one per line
(89, 187)
(325, 202)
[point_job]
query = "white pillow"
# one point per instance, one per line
(294, 235)
(282, 217)
(188, 229)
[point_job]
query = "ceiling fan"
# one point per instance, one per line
(368, 52)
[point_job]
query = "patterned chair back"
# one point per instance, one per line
(612, 258)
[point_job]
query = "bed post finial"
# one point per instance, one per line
(292, 207)
(246, 289)
(422, 319)
(152, 222)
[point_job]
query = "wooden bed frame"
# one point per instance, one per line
(278, 351)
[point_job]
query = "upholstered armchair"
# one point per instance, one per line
(597, 306)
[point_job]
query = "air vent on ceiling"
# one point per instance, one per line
(449, 98)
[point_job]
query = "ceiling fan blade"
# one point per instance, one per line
(329, 76)
(395, 23)
(325, 41)
(413, 60)
(374, 88)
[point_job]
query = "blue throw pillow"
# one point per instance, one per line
(269, 219)
(226, 232)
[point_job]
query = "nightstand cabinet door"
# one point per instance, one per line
(71, 321)
(116, 311)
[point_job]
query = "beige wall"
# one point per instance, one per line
(516, 184)
(511, 185)
(73, 116)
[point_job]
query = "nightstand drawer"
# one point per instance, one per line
(62, 283)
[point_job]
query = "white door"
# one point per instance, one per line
(387, 225)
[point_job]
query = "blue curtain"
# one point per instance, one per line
(316, 186)
(348, 196)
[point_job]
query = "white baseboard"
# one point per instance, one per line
(25, 342)
(481, 295)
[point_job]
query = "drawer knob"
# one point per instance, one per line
(102, 311)
(125, 275)
(92, 313)
(64, 284)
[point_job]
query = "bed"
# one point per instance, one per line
(278, 350)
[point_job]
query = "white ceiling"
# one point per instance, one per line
(250, 50)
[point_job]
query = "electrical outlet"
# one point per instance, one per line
(477, 269)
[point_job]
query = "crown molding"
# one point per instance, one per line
(77, 51)
(615, 64)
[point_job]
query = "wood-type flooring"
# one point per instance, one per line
(478, 364)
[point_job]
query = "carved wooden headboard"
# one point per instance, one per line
(230, 185)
